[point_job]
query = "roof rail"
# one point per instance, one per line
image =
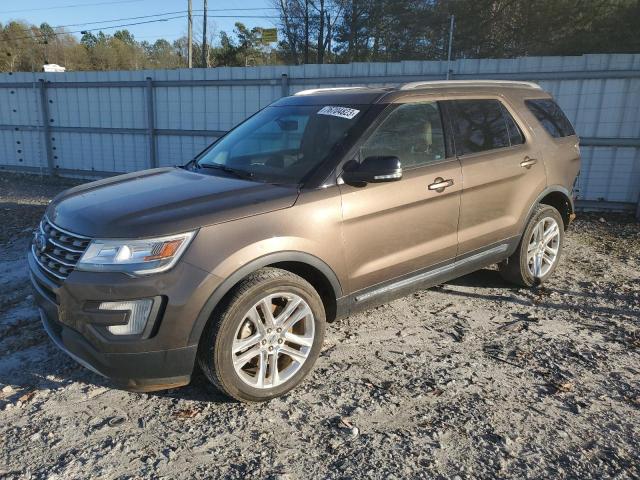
(330, 89)
(470, 83)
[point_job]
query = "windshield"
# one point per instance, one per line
(282, 144)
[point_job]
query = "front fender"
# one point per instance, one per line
(268, 259)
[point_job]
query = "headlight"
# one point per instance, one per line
(137, 257)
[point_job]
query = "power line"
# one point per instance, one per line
(119, 19)
(92, 29)
(127, 24)
(175, 13)
(238, 9)
(167, 13)
(168, 36)
(70, 6)
(135, 1)
(245, 16)
(108, 27)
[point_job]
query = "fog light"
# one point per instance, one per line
(138, 315)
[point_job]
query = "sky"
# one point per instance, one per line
(222, 14)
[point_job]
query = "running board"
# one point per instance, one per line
(421, 277)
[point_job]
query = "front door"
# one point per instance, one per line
(397, 228)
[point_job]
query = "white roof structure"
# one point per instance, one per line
(470, 83)
(311, 91)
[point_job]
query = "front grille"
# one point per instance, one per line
(59, 251)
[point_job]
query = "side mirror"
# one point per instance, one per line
(372, 170)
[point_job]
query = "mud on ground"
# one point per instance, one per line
(473, 379)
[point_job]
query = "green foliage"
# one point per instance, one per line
(340, 31)
(391, 30)
(244, 48)
(27, 47)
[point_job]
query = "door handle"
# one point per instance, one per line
(528, 162)
(439, 184)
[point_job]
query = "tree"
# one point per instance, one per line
(303, 19)
(162, 54)
(125, 37)
(46, 37)
(89, 40)
(324, 31)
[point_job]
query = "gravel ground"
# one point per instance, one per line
(473, 379)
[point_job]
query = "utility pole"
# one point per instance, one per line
(190, 35)
(205, 53)
(450, 44)
(306, 31)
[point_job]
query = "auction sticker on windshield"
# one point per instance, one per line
(342, 112)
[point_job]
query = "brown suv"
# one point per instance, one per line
(321, 204)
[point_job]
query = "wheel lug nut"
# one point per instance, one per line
(280, 340)
(270, 349)
(268, 330)
(279, 330)
(264, 342)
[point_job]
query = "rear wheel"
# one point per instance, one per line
(265, 336)
(539, 250)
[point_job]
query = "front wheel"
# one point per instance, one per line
(539, 249)
(265, 336)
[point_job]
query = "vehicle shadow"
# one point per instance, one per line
(491, 279)
(199, 390)
(43, 367)
(484, 278)
(617, 325)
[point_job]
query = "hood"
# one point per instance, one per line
(162, 201)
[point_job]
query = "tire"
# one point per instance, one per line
(239, 328)
(520, 268)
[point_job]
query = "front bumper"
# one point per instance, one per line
(139, 372)
(164, 360)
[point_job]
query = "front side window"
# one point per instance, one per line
(551, 116)
(478, 125)
(412, 132)
(282, 144)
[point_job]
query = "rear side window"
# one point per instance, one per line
(551, 116)
(478, 125)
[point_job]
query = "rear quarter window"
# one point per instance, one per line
(551, 117)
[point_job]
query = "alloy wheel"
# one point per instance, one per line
(542, 250)
(273, 340)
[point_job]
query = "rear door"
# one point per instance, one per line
(501, 169)
(397, 228)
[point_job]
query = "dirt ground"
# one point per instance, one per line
(473, 379)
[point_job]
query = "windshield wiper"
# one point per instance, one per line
(233, 171)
